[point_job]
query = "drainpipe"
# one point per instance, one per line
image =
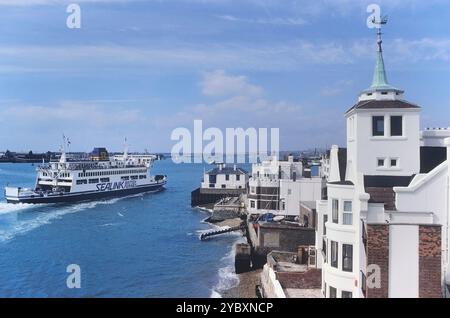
(447, 256)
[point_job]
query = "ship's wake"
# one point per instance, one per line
(34, 216)
(6, 208)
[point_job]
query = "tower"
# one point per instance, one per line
(383, 130)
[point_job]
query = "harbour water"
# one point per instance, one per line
(141, 246)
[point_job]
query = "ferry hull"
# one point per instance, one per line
(87, 196)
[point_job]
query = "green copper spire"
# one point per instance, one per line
(379, 76)
(380, 81)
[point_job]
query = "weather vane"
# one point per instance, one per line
(378, 25)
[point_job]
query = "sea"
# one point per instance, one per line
(145, 245)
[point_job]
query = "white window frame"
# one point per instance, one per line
(347, 213)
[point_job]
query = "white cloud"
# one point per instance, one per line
(219, 83)
(336, 88)
(298, 124)
(288, 21)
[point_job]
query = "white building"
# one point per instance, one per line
(383, 230)
(278, 187)
(225, 178)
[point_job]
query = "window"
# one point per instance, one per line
(142, 177)
(238, 177)
(335, 211)
(252, 190)
(346, 294)
(394, 163)
(93, 181)
(125, 178)
(81, 182)
(396, 126)
(134, 177)
(223, 186)
(252, 204)
(378, 126)
(104, 179)
(227, 177)
(347, 258)
(333, 292)
(325, 220)
(348, 213)
(380, 162)
(334, 254)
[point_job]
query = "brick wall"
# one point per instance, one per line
(378, 253)
(311, 279)
(430, 262)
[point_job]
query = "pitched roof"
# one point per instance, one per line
(384, 104)
(387, 181)
(342, 158)
(381, 188)
(431, 157)
(226, 170)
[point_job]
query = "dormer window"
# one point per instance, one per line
(377, 126)
(396, 126)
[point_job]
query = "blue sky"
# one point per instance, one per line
(142, 68)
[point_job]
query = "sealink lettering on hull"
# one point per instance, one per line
(111, 186)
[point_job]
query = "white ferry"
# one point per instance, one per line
(98, 177)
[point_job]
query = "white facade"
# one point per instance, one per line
(223, 177)
(278, 187)
(404, 149)
(383, 143)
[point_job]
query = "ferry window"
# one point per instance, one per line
(347, 258)
(333, 292)
(334, 254)
(335, 210)
(380, 162)
(223, 186)
(227, 177)
(378, 126)
(81, 182)
(142, 177)
(346, 294)
(252, 204)
(348, 215)
(238, 177)
(104, 179)
(93, 181)
(134, 177)
(125, 178)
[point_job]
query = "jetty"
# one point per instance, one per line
(206, 235)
